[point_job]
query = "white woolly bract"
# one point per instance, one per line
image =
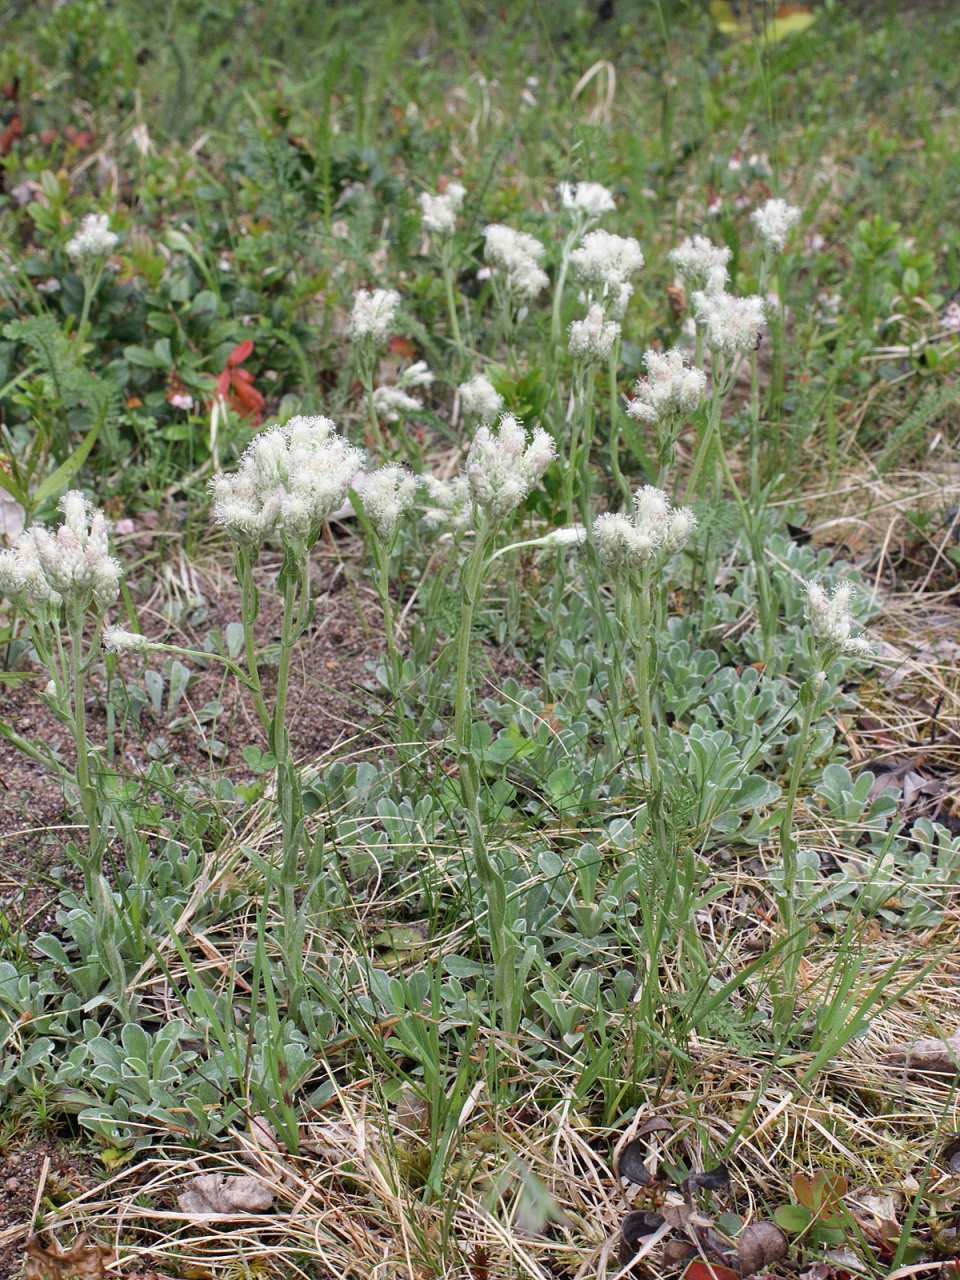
(479, 398)
(731, 324)
(592, 338)
(670, 389)
(391, 402)
(588, 198)
(440, 211)
(627, 546)
(695, 258)
(774, 222)
(372, 316)
(117, 640)
(387, 494)
(831, 621)
(502, 467)
(44, 567)
(603, 263)
(517, 255)
(290, 479)
(93, 240)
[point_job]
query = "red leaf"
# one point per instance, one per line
(240, 353)
(700, 1270)
(223, 383)
(403, 347)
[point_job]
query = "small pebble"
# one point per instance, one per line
(12, 1184)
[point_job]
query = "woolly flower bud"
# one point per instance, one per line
(774, 222)
(93, 240)
(670, 389)
(517, 255)
(372, 316)
(830, 620)
(503, 468)
(417, 375)
(604, 263)
(479, 398)
(682, 523)
(732, 324)
(695, 259)
(586, 198)
(440, 211)
(391, 402)
(117, 640)
(75, 509)
(592, 339)
(387, 494)
(106, 582)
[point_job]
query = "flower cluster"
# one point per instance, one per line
(290, 480)
(774, 222)
(440, 211)
(586, 199)
(502, 468)
(387, 494)
(670, 389)
(604, 264)
(627, 546)
(592, 338)
(831, 621)
(94, 239)
(731, 324)
(518, 256)
(700, 263)
(390, 402)
(479, 398)
(453, 503)
(372, 316)
(44, 569)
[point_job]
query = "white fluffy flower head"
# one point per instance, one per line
(731, 324)
(479, 398)
(372, 316)
(774, 222)
(290, 479)
(516, 256)
(586, 199)
(417, 375)
(93, 240)
(604, 263)
(452, 503)
(592, 338)
(695, 258)
(671, 389)
(387, 494)
(502, 467)
(831, 621)
(391, 402)
(440, 211)
(629, 547)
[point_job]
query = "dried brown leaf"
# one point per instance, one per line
(212, 1193)
(81, 1261)
(935, 1057)
(761, 1244)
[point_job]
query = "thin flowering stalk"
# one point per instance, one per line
(371, 320)
(613, 366)
(89, 250)
(501, 470)
(440, 219)
(386, 496)
(829, 627)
